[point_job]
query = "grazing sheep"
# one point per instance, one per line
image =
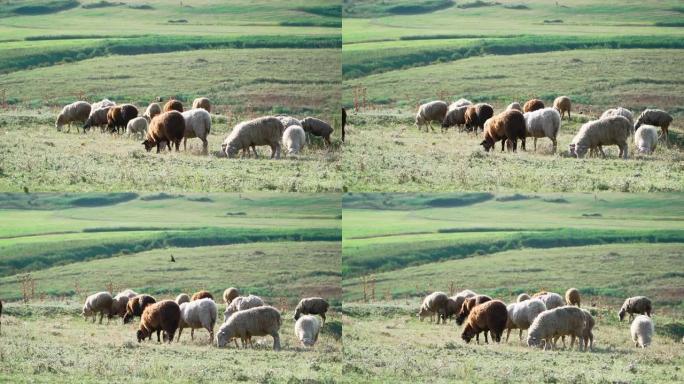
(522, 314)
(522, 297)
(201, 295)
(229, 294)
(260, 131)
(173, 105)
(119, 116)
(460, 103)
(507, 126)
(97, 118)
(202, 102)
(288, 120)
(490, 316)
(468, 306)
(514, 105)
(635, 305)
(259, 321)
(104, 103)
(77, 111)
(553, 323)
(137, 126)
(101, 303)
(619, 111)
(572, 297)
(197, 124)
(562, 104)
(242, 303)
(162, 316)
(294, 139)
(344, 121)
(429, 112)
(455, 303)
(306, 329)
(642, 331)
(476, 116)
(167, 127)
(311, 306)
(317, 127)
(434, 303)
(544, 122)
(136, 306)
(455, 117)
(182, 298)
(595, 134)
(655, 117)
(120, 301)
(551, 300)
(200, 313)
(587, 334)
(533, 105)
(646, 139)
(152, 110)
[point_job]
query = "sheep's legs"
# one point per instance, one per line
(276, 342)
(508, 333)
(192, 334)
(180, 330)
(323, 316)
(185, 144)
(101, 316)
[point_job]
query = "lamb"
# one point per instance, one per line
(201, 295)
(476, 116)
(522, 314)
(137, 126)
(288, 120)
(306, 329)
(97, 118)
(455, 117)
(101, 303)
(572, 297)
(619, 111)
(242, 303)
(311, 306)
(587, 334)
(202, 102)
(522, 297)
(260, 131)
(259, 321)
(551, 300)
(229, 294)
(655, 117)
(429, 112)
(136, 306)
(544, 122)
(152, 110)
(646, 139)
(562, 104)
(182, 298)
(490, 316)
(294, 139)
(454, 303)
(637, 304)
(507, 126)
(434, 303)
(317, 127)
(200, 313)
(554, 323)
(533, 105)
(642, 331)
(197, 124)
(168, 127)
(173, 105)
(162, 316)
(468, 306)
(594, 134)
(514, 105)
(75, 112)
(120, 301)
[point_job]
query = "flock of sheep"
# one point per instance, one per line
(244, 317)
(545, 316)
(169, 125)
(613, 127)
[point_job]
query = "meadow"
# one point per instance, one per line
(399, 247)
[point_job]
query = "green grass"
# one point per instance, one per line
(377, 8)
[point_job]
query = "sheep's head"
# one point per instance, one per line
(86, 312)
(59, 122)
(487, 145)
(298, 313)
(142, 334)
(534, 341)
(149, 144)
(622, 313)
(423, 313)
(223, 337)
(127, 318)
(468, 333)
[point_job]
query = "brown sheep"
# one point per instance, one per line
(490, 316)
(311, 306)
(119, 116)
(468, 306)
(162, 316)
(136, 306)
(229, 294)
(562, 104)
(168, 127)
(533, 105)
(507, 126)
(173, 105)
(476, 116)
(572, 297)
(202, 102)
(201, 295)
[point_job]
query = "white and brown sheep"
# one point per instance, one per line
(75, 112)
(595, 134)
(433, 304)
(198, 314)
(259, 321)
(468, 305)
(101, 303)
(152, 110)
(522, 314)
(242, 303)
(562, 104)
(202, 102)
(618, 111)
(655, 117)
(429, 112)
(635, 305)
(229, 294)
(197, 124)
(120, 302)
(572, 297)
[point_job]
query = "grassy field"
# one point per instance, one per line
(399, 247)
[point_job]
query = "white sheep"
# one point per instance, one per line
(242, 303)
(544, 122)
(294, 139)
(552, 323)
(434, 304)
(642, 331)
(656, 117)
(137, 126)
(104, 103)
(197, 124)
(182, 298)
(551, 300)
(522, 314)
(101, 303)
(514, 105)
(429, 112)
(460, 103)
(595, 134)
(198, 314)
(619, 111)
(646, 139)
(75, 112)
(306, 329)
(152, 110)
(259, 321)
(261, 131)
(289, 120)
(522, 297)
(121, 300)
